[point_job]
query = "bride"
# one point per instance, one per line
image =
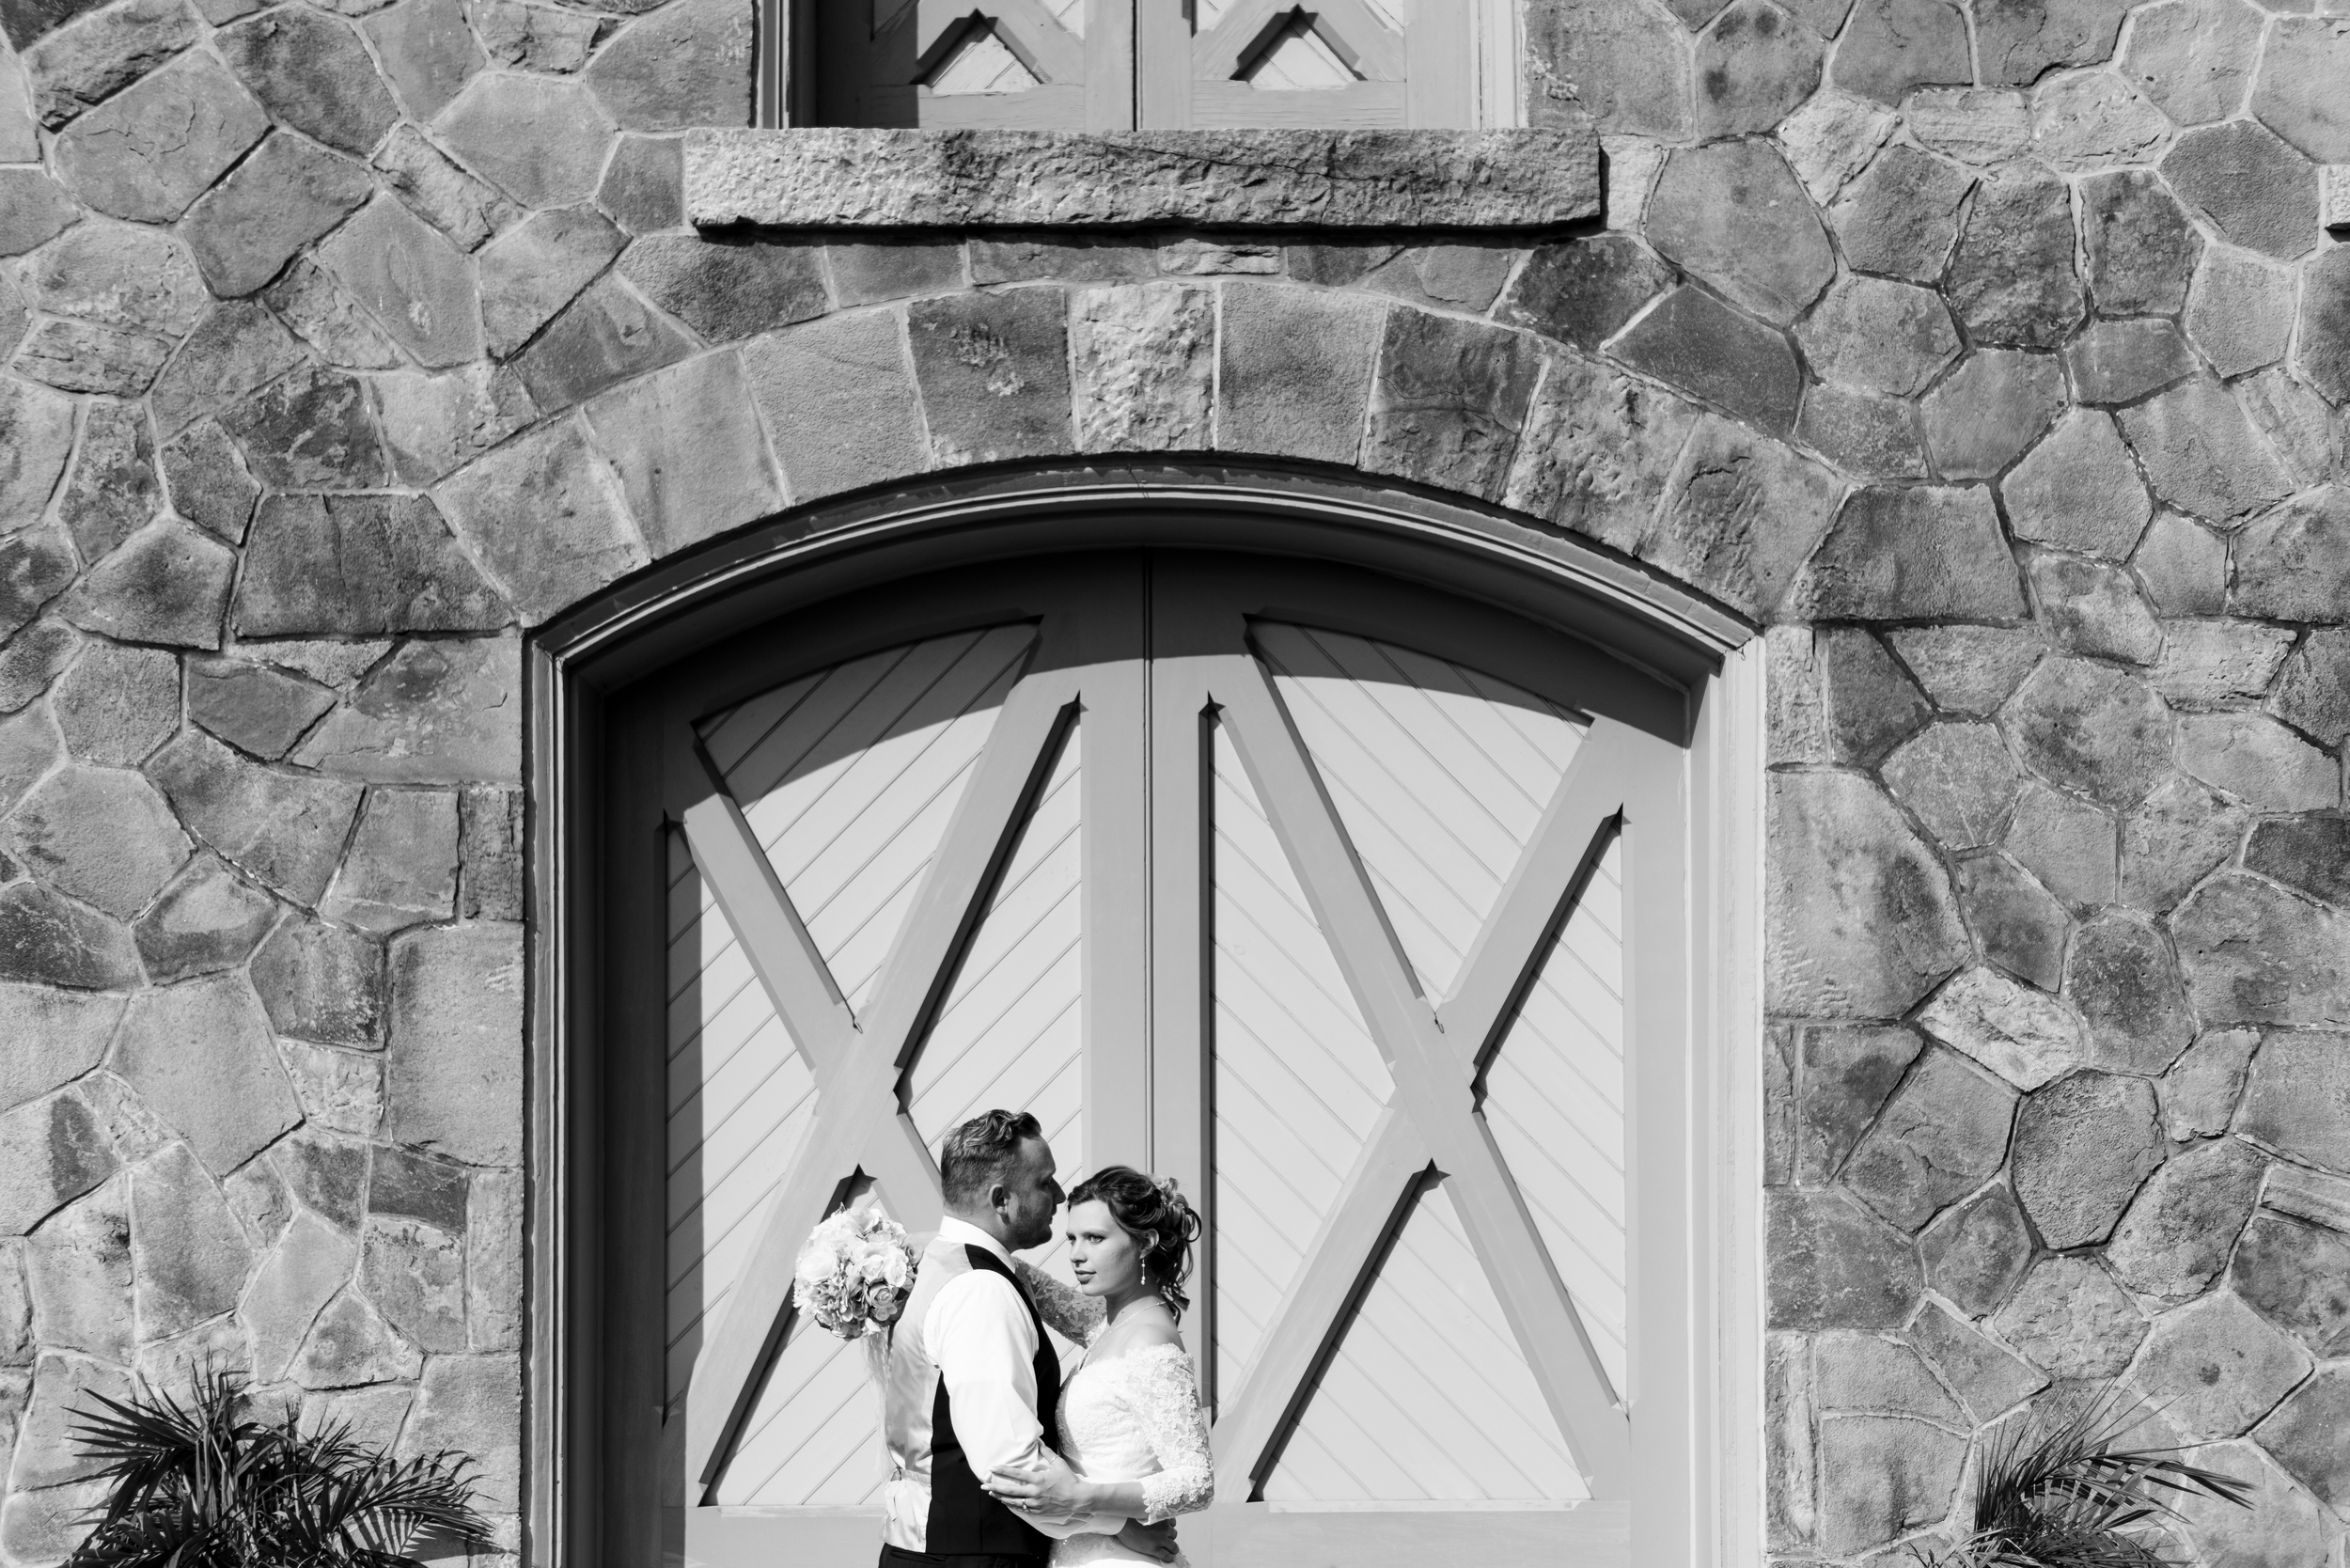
(1132, 1430)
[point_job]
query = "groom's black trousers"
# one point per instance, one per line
(898, 1557)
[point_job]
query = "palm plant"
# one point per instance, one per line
(2058, 1490)
(204, 1484)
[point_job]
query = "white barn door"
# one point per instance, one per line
(1358, 910)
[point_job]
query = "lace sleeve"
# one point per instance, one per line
(1164, 1393)
(1066, 1309)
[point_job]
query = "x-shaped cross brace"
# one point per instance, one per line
(1434, 1055)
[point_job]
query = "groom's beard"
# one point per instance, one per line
(1036, 1232)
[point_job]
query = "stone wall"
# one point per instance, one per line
(346, 344)
(2059, 953)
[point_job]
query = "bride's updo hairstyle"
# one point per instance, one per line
(1156, 1216)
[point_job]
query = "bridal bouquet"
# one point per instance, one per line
(855, 1272)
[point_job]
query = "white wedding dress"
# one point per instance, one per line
(1136, 1417)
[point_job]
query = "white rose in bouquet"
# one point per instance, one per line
(854, 1272)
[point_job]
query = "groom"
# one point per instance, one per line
(973, 1384)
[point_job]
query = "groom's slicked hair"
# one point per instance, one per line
(980, 1151)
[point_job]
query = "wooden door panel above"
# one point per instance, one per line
(1106, 64)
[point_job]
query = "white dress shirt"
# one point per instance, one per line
(981, 1334)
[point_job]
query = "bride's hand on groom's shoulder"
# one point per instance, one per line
(1045, 1489)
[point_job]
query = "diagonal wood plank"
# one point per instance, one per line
(1046, 48)
(1515, 940)
(857, 1123)
(797, 984)
(1220, 51)
(1360, 39)
(1303, 1333)
(1434, 1073)
(782, 953)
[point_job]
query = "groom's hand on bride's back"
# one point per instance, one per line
(1156, 1542)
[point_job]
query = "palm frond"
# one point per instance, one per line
(2057, 1489)
(199, 1484)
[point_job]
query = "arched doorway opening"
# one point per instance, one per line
(1357, 876)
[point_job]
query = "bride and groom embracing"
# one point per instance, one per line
(994, 1461)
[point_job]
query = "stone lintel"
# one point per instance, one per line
(843, 179)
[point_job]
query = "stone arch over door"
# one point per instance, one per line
(1293, 521)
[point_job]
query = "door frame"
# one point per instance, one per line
(800, 559)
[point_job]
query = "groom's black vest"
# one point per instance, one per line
(964, 1521)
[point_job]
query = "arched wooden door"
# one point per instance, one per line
(1360, 909)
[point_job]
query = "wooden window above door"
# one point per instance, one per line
(1117, 65)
